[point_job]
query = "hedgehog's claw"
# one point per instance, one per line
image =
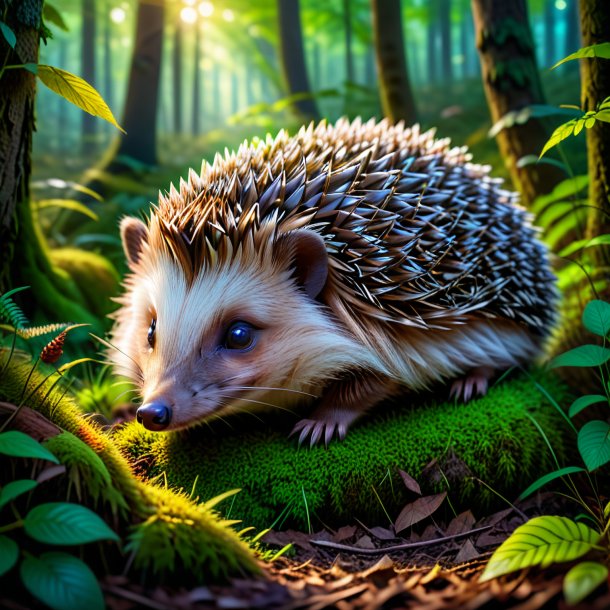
(315, 430)
(474, 384)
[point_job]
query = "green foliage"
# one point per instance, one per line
(601, 50)
(14, 489)
(541, 541)
(65, 523)
(8, 34)
(18, 444)
(596, 318)
(585, 401)
(594, 444)
(62, 582)
(10, 311)
(77, 91)
(51, 15)
(9, 554)
(547, 478)
(492, 438)
(583, 355)
(582, 580)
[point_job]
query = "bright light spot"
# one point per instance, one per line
(189, 2)
(254, 31)
(206, 9)
(560, 5)
(228, 15)
(219, 54)
(118, 15)
(188, 14)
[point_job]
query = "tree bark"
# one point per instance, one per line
(445, 31)
(196, 122)
(349, 56)
(511, 82)
(293, 58)
(397, 98)
(595, 79)
(17, 95)
(88, 72)
(549, 32)
(177, 77)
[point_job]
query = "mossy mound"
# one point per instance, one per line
(492, 439)
(169, 534)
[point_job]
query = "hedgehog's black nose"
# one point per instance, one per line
(154, 416)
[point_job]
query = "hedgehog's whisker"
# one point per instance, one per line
(110, 345)
(261, 387)
(258, 402)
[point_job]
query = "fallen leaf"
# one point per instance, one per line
(343, 533)
(468, 552)
(382, 533)
(365, 543)
(417, 511)
(410, 483)
(462, 523)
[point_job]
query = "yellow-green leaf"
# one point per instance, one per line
(596, 50)
(583, 579)
(67, 204)
(561, 133)
(77, 91)
(541, 541)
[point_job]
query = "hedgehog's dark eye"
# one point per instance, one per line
(151, 332)
(239, 336)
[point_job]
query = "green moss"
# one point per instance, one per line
(492, 439)
(202, 542)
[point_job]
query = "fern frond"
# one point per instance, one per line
(10, 311)
(37, 331)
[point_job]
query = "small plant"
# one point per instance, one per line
(58, 579)
(546, 540)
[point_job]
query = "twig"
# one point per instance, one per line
(396, 547)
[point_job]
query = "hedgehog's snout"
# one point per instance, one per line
(154, 416)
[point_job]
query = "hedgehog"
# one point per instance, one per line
(325, 273)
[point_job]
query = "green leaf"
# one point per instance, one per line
(52, 15)
(67, 204)
(61, 582)
(541, 541)
(65, 523)
(547, 478)
(596, 317)
(585, 401)
(31, 67)
(594, 444)
(14, 489)
(77, 91)
(9, 553)
(8, 34)
(18, 444)
(600, 240)
(596, 50)
(583, 355)
(528, 160)
(559, 135)
(582, 580)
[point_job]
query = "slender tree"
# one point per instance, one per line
(431, 40)
(108, 88)
(196, 118)
(397, 98)
(445, 36)
(349, 55)
(595, 79)
(88, 71)
(512, 82)
(177, 76)
(549, 32)
(293, 59)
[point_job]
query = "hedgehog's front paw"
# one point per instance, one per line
(474, 384)
(324, 425)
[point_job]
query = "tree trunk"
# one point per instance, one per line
(196, 123)
(595, 78)
(431, 42)
(177, 77)
(293, 58)
(397, 98)
(108, 88)
(89, 122)
(511, 82)
(349, 56)
(549, 33)
(445, 31)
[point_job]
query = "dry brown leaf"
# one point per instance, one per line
(468, 552)
(410, 483)
(417, 511)
(462, 523)
(365, 543)
(343, 533)
(382, 533)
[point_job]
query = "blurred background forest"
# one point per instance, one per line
(221, 76)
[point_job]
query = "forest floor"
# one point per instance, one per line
(354, 572)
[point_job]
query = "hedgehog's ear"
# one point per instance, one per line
(133, 236)
(309, 259)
